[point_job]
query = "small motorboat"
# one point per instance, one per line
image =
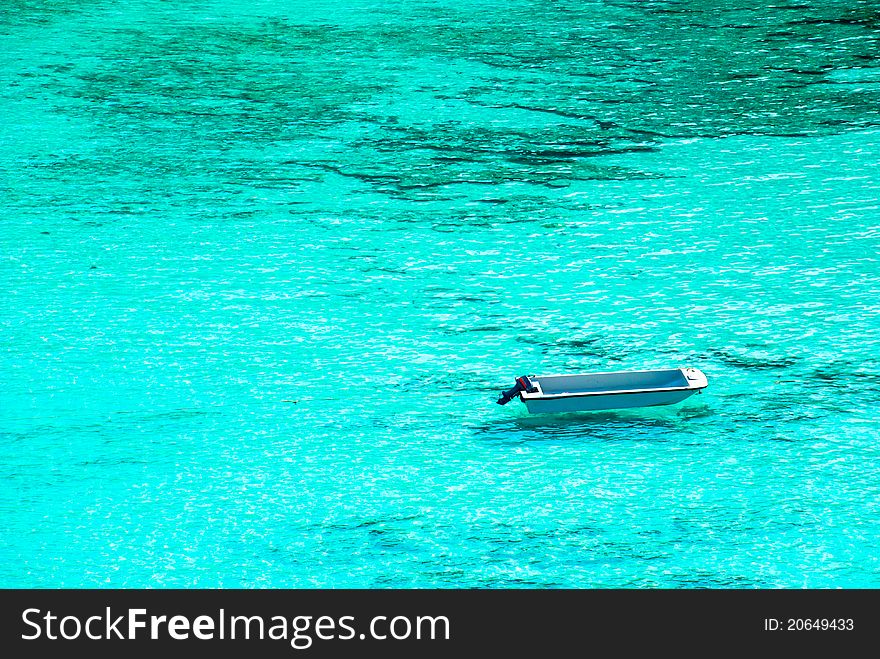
(584, 392)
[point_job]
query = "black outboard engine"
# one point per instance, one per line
(522, 384)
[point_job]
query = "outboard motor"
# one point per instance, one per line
(522, 384)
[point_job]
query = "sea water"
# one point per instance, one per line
(266, 266)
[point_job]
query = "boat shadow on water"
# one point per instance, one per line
(621, 425)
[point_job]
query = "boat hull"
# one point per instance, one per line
(605, 402)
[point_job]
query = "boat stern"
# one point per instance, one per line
(523, 387)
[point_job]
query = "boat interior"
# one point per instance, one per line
(560, 384)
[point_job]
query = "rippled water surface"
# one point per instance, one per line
(266, 265)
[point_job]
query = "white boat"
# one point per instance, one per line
(605, 391)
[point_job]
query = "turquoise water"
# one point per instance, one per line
(267, 265)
